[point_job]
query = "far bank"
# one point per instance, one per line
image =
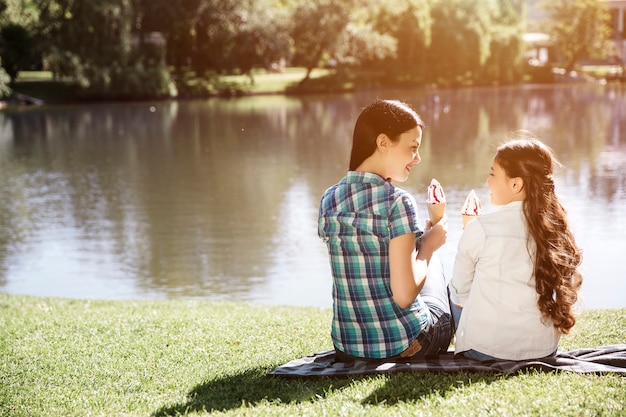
(34, 88)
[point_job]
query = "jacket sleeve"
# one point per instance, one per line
(468, 252)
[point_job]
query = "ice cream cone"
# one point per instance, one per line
(467, 218)
(471, 208)
(436, 201)
(435, 212)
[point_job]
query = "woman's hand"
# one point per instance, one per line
(433, 238)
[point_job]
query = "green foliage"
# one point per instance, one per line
(102, 44)
(20, 12)
(394, 36)
(98, 33)
(476, 41)
(5, 84)
(360, 45)
(505, 61)
(94, 44)
(408, 23)
(457, 51)
(316, 29)
(16, 47)
(137, 79)
(578, 29)
(248, 34)
(175, 21)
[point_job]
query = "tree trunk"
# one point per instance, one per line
(306, 76)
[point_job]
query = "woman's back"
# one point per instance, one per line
(358, 217)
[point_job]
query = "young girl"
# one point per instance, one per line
(516, 271)
(371, 228)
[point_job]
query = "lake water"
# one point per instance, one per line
(218, 198)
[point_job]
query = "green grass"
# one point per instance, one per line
(273, 82)
(603, 71)
(42, 86)
(35, 75)
(287, 82)
(63, 357)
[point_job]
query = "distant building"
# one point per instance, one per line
(537, 43)
(537, 48)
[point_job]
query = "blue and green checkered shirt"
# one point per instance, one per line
(357, 219)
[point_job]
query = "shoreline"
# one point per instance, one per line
(62, 93)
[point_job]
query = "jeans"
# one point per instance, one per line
(476, 355)
(456, 315)
(436, 296)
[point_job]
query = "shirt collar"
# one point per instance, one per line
(513, 205)
(364, 177)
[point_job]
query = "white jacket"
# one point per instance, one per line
(493, 281)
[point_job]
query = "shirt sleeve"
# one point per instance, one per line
(403, 217)
(470, 245)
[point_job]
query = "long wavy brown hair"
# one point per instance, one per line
(557, 278)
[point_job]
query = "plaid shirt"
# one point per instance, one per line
(357, 219)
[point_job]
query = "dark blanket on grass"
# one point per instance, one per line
(589, 360)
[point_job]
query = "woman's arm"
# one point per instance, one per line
(407, 267)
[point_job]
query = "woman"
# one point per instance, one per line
(370, 228)
(516, 270)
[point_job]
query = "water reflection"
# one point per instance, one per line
(218, 198)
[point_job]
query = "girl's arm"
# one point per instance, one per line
(470, 244)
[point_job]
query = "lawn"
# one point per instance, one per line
(68, 357)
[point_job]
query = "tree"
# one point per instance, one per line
(461, 39)
(95, 43)
(20, 12)
(409, 22)
(5, 79)
(476, 41)
(263, 36)
(84, 36)
(239, 36)
(174, 20)
(316, 30)
(505, 61)
(579, 29)
(16, 46)
(361, 45)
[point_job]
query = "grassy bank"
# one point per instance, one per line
(61, 357)
(41, 85)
